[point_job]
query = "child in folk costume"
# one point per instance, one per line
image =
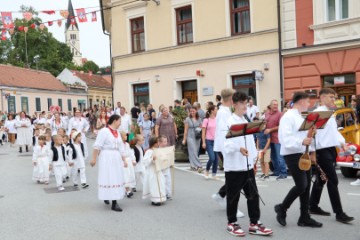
(154, 182)
(58, 157)
(49, 141)
(162, 140)
(129, 172)
(79, 154)
(139, 155)
(41, 161)
(146, 127)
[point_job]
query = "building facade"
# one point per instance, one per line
(35, 91)
(321, 46)
(192, 49)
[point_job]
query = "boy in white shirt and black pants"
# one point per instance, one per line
(293, 145)
(239, 174)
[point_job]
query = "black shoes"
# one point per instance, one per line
(342, 217)
(84, 185)
(133, 189)
(20, 150)
(27, 148)
(115, 207)
(280, 214)
(308, 222)
(107, 202)
(129, 194)
(318, 211)
(155, 204)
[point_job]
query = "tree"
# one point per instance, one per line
(90, 66)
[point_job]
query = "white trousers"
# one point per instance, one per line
(139, 176)
(168, 183)
(60, 174)
(74, 175)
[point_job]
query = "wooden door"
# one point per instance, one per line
(191, 96)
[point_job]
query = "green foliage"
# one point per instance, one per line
(179, 115)
(90, 66)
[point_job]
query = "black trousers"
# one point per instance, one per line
(326, 159)
(235, 182)
(301, 189)
(222, 190)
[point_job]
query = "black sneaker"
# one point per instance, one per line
(129, 194)
(75, 185)
(308, 222)
(342, 217)
(155, 204)
(318, 211)
(281, 214)
(133, 189)
(84, 185)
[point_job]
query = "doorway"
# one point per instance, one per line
(189, 90)
(345, 93)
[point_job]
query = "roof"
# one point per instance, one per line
(94, 80)
(68, 77)
(12, 76)
(71, 15)
(107, 78)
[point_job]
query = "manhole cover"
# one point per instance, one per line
(55, 190)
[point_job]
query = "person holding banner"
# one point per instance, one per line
(239, 154)
(154, 181)
(293, 144)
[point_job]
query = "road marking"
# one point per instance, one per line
(354, 194)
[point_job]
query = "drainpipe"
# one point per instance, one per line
(280, 56)
(111, 61)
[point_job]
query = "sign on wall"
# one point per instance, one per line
(208, 91)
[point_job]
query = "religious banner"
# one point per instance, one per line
(81, 15)
(93, 17)
(165, 157)
(27, 16)
(7, 20)
(64, 13)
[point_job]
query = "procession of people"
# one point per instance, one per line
(129, 153)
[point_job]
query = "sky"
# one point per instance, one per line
(94, 45)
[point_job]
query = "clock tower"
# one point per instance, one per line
(72, 36)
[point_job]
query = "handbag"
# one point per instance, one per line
(197, 130)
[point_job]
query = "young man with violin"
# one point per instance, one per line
(293, 144)
(326, 141)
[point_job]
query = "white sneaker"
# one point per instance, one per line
(221, 201)
(240, 214)
(61, 188)
(355, 183)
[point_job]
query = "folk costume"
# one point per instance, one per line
(129, 172)
(81, 125)
(24, 134)
(58, 157)
(41, 156)
(78, 157)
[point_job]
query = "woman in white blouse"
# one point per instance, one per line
(24, 133)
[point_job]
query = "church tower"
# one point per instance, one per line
(72, 36)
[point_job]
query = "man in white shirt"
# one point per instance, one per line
(125, 121)
(327, 140)
(239, 154)
(293, 145)
(117, 109)
(252, 110)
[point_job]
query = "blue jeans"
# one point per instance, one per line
(278, 160)
(213, 160)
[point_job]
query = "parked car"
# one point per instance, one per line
(349, 161)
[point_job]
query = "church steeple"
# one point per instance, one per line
(72, 35)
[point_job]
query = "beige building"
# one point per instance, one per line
(193, 49)
(32, 91)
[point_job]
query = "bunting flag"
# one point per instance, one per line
(59, 23)
(93, 17)
(50, 12)
(27, 16)
(81, 15)
(50, 23)
(7, 20)
(64, 13)
(72, 21)
(3, 35)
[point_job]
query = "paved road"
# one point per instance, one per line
(27, 211)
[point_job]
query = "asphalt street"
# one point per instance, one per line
(33, 211)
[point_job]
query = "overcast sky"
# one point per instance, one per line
(94, 45)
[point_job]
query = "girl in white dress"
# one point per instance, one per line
(129, 172)
(41, 161)
(154, 182)
(108, 148)
(139, 156)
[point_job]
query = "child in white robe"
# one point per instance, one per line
(129, 172)
(154, 182)
(139, 155)
(162, 140)
(58, 157)
(41, 161)
(78, 155)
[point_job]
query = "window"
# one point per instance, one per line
(60, 103)
(240, 16)
(49, 100)
(38, 104)
(69, 105)
(73, 36)
(137, 34)
(141, 93)
(337, 9)
(245, 84)
(25, 104)
(11, 104)
(184, 25)
(346, 79)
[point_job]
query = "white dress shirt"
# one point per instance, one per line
(329, 136)
(233, 158)
(222, 118)
(125, 123)
(252, 111)
(290, 137)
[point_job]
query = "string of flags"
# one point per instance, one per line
(9, 25)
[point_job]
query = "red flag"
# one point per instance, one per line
(59, 23)
(72, 21)
(93, 17)
(7, 20)
(3, 35)
(49, 12)
(50, 23)
(81, 15)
